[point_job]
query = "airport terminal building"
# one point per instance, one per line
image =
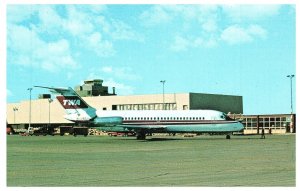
(48, 112)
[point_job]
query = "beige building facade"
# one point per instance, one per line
(272, 124)
(44, 112)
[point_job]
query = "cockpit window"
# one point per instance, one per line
(226, 117)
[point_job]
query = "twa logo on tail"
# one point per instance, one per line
(71, 102)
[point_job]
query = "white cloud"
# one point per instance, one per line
(207, 43)
(183, 44)
(180, 44)
(156, 15)
(121, 89)
(235, 34)
(20, 12)
(118, 77)
(257, 30)
(102, 22)
(70, 75)
(210, 31)
(30, 50)
(239, 13)
(232, 35)
(210, 25)
(126, 73)
(9, 93)
(56, 55)
(122, 73)
(78, 23)
(21, 39)
(92, 8)
(162, 14)
(35, 29)
(206, 12)
(50, 21)
(122, 31)
(107, 69)
(96, 43)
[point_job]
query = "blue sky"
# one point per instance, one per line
(244, 50)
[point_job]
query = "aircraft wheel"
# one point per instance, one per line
(141, 136)
(227, 136)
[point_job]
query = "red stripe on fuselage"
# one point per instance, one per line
(170, 122)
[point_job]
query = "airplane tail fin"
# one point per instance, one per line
(76, 108)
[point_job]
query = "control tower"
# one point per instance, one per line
(93, 88)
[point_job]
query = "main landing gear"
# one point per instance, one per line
(141, 135)
(227, 136)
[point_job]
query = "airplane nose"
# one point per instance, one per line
(240, 126)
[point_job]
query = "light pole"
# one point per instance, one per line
(163, 83)
(15, 109)
(30, 89)
(49, 100)
(291, 78)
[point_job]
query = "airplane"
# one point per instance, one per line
(143, 122)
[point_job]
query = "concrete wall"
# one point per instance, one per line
(39, 112)
(224, 103)
(107, 101)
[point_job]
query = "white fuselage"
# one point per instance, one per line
(160, 115)
(174, 120)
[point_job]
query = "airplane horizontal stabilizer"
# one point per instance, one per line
(63, 91)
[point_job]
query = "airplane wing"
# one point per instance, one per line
(144, 127)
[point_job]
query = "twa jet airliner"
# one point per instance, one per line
(143, 122)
